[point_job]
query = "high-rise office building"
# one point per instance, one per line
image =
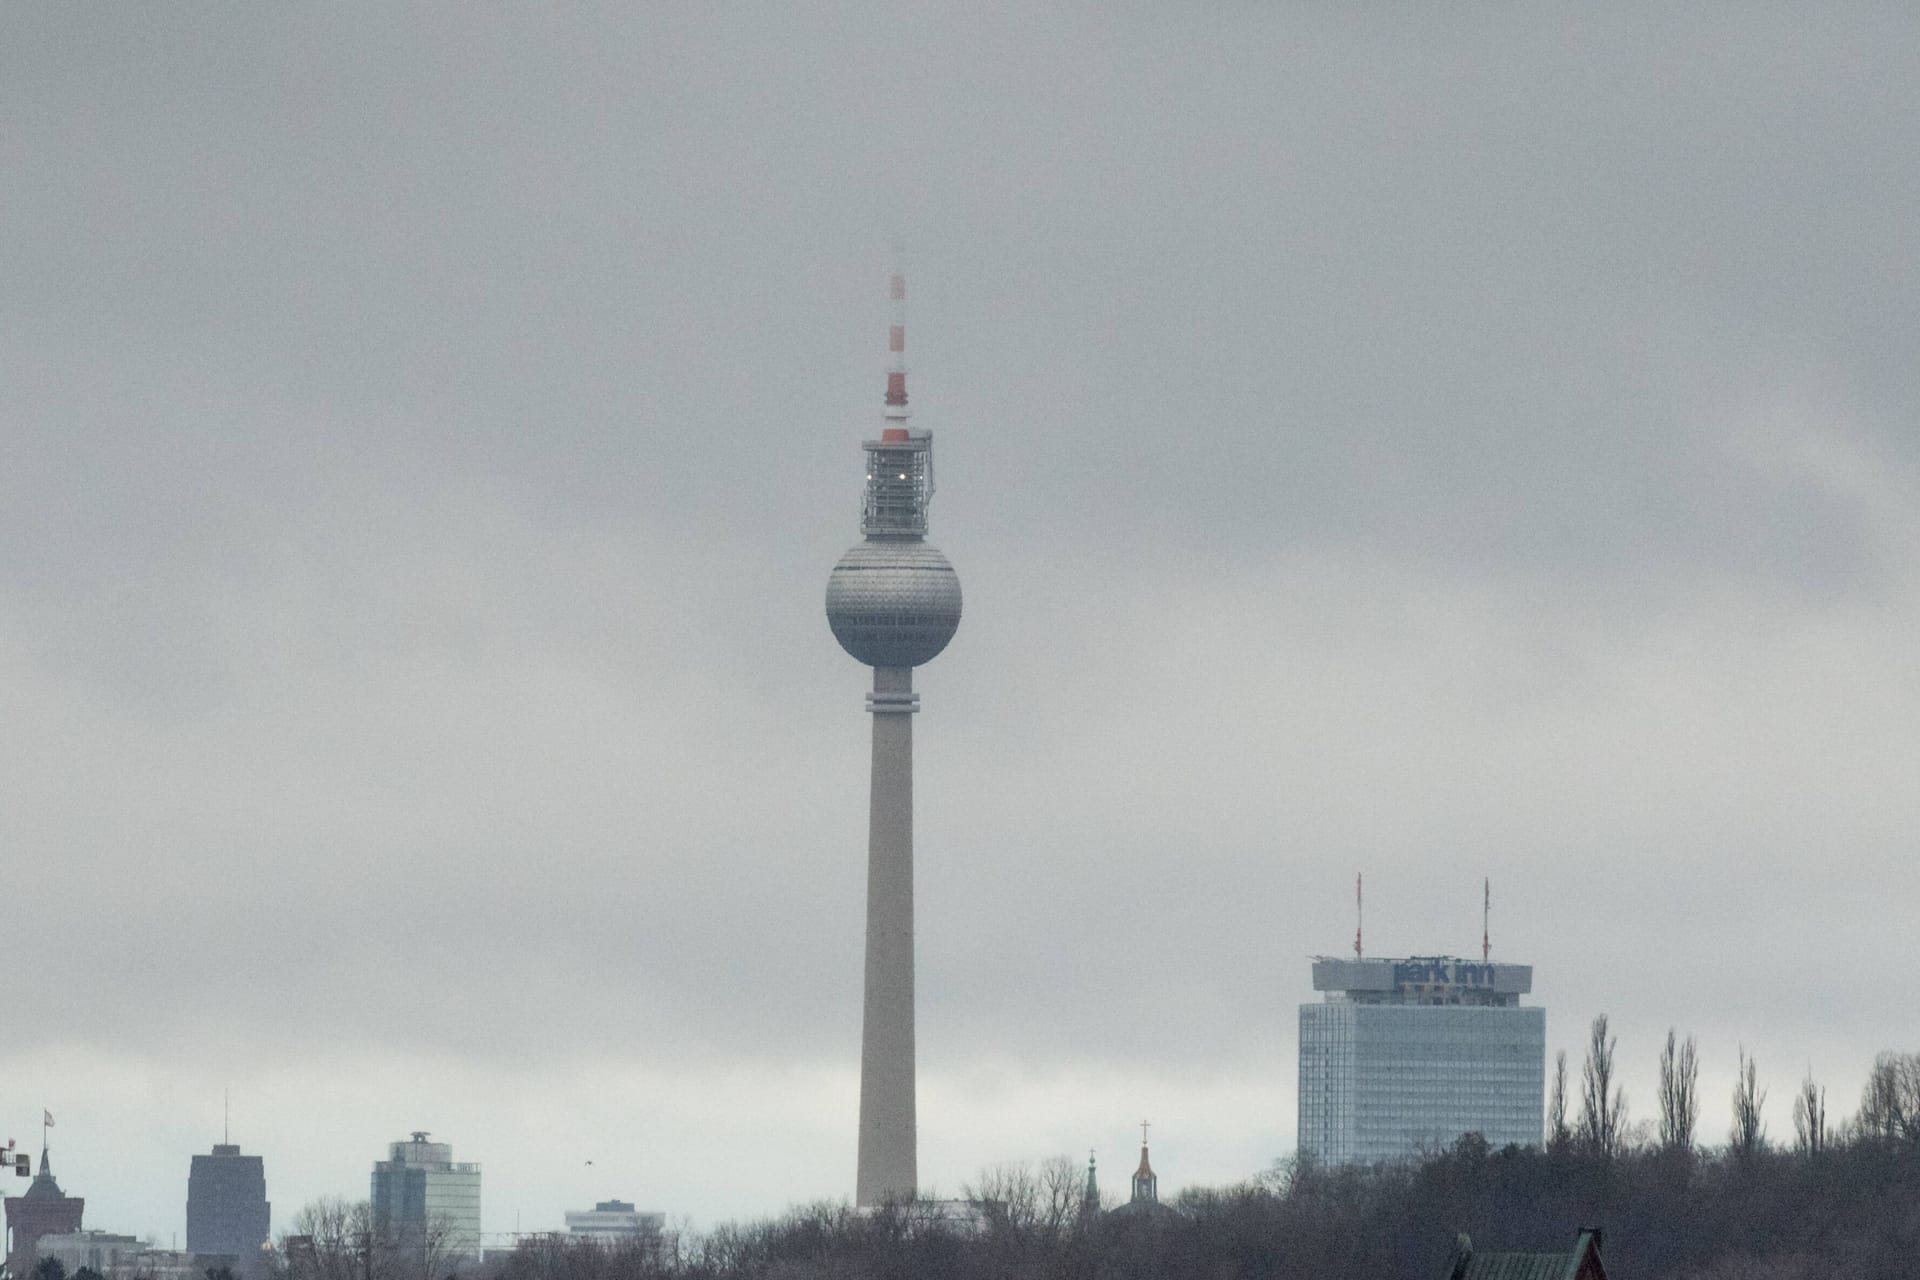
(893, 602)
(227, 1209)
(422, 1197)
(1403, 1056)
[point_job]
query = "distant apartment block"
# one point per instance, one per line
(227, 1209)
(1406, 1055)
(421, 1195)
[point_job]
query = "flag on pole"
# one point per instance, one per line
(46, 1118)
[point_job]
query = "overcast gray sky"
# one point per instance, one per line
(1433, 442)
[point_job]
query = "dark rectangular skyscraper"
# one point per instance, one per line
(227, 1209)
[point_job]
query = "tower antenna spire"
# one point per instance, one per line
(1486, 913)
(1359, 918)
(897, 411)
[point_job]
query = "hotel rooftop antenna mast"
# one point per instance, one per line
(893, 602)
(1486, 912)
(1359, 917)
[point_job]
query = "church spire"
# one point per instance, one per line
(1090, 1198)
(1146, 1186)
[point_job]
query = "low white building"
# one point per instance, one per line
(101, 1251)
(615, 1222)
(121, 1257)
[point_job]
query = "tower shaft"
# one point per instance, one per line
(888, 1164)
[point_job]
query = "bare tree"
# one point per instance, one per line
(1810, 1117)
(1890, 1104)
(1603, 1101)
(1679, 1094)
(331, 1239)
(1063, 1186)
(559, 1256)
(1045, 1199)
(335, 1239)
(1559, 1136)
(1748, 1137)
(1009, 1193)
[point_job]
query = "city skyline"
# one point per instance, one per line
(1433, 447)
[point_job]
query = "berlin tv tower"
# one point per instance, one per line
(893, 602)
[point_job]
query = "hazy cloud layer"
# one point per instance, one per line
(1433, 444)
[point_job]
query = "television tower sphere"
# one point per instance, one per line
(893, 603)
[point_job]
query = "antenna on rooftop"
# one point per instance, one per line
(1486, 911)
(1359, 917)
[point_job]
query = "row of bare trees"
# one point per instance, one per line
(1044, 1198)
(1889, 1106)
(337, 1239)
(1772, 1216)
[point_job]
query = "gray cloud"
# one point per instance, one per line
(1433, 446)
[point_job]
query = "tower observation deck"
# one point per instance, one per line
(893, 602)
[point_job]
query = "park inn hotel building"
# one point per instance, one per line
(1405, 1056)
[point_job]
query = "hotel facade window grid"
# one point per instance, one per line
(1405, 1056)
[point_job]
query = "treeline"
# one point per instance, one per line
(1852, 1213)
(1852, 1210)
(1837, 1200)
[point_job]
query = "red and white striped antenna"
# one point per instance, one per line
(897, 411)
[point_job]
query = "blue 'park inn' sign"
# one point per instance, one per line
(1459, 973)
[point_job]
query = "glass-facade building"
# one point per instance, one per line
(420, 1194)
(1405, 1056)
